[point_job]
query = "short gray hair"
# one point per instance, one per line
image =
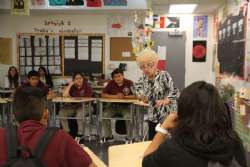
(147, 56)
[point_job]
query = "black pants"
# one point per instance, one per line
(151, 130)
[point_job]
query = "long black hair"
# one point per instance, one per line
(13, 80)
(203, 116)
(48, 78)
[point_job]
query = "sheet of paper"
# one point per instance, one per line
(57, 51)
(57, 60)
(56, 41)
(52, 69)
(37, 51)
(126, 54)
(96, 54)
(51, 61)
(50, 42)
(162, 52)
(28, 69)
(21, 42)
(37, 61)
(22, 51)
(29, 61)
(22, 61)
(83, 53)
(69, 53)
(27, 42)
(28, 52)
(22, 70)
(51, 51)
(69, 43)
(96, 43)
(44, 61)
(36, 42)
(57, 70)
(43, 51)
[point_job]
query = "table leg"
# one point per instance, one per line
(83, 119)
(100, 104)
(54, 115)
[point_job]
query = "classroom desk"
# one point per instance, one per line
(2, 103)
(140, 108)
(5, 92)
(127, 155)
(120, 101)
(96, 160)
(81, 100)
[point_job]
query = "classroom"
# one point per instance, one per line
(135, 83)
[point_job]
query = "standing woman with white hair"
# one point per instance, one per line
(157, 88)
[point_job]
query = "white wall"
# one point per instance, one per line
(194, 71)
(97, 23)
(10, 25)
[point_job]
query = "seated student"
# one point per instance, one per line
(201, 133)
(45, 77)
(33, 80)
(117, 88)
(77, 88)
(12, 80)
(31, 113)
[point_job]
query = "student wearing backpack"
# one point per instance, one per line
(38, 146)
(202, 135)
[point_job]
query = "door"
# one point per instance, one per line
(175, 54)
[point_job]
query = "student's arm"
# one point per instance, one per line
(169, 123)
(67, 89)
(88, 90)
(130, 97)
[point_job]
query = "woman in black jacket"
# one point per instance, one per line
(201, 133)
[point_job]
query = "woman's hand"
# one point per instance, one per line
(162, 102)
(170, 122)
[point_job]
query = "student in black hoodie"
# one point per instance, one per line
(201, 133)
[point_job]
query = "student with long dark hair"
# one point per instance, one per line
(201, 133)
(45, 77)
(12, 80)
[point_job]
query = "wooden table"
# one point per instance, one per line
(120, 101)
(95, 159)
(81, 100)
(127, 155)
(6, 92)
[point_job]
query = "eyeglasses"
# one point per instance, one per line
(147, 66)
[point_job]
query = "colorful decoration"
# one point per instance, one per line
(169, 22)
(115, 2)
(57, 2)
(94, 3)
(200, 27)
(199, 51)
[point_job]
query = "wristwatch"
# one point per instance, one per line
(158, 128)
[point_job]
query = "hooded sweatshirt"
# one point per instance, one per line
(185, 152)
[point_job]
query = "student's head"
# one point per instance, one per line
(202, 114)
(147, 60)
(117, 76)
(78, 79)
(42, 71)
(30, 104)
(33, 78)
(12, 72)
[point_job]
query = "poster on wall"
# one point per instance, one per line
(38, 2)
(169, 22)
(232, 43)
(115, 2)
(94, 3)
(200, 27)
(199, 51)
(20, 7)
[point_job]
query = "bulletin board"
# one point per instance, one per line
(37, 49)
(61, 54)
(83, 53)
(5, 51)
(121, 49)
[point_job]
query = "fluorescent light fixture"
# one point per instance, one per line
(182, 8)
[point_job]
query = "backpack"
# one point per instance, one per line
(15, 158)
